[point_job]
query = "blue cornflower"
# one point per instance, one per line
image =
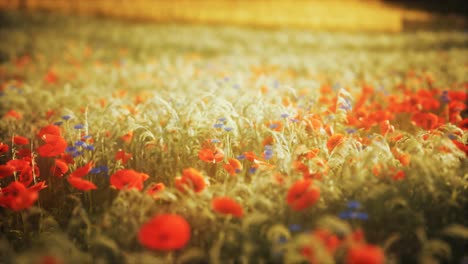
(352, 212)
(59, 123)
(345, 215)
(353, 205)
(268, 153)
(444, 99)
(218, 125)
(252, 170)
(70, 149)
(240, 157)
(354, 215)
(99, 169)
(80, 143)
(66, 117)
(95, 170)
(104, 168)
(284, 115)
(90, 147)
(87, 136)
(452, 136)
(282, 239)
(273, 126)
(77, 153)
(228, 129)
(346, 106)
(362, 216)
(276, 84)
(295, 227)
(222, 119)
(78, 126)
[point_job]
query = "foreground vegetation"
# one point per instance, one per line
(137, 143)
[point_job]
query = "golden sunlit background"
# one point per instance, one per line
(233, 131)
(353, 15)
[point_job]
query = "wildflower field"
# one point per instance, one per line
(172, 143)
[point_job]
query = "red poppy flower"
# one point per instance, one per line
(59, 168)
(19, 140)
(67, 158)
(376, 169)
(302, 194)
(19, 164)
(6, 171)
(26, 175)
(275, 125)
(334, 141)
(268, 141)
(24, 153)
(250, 156)
(82, 171)
(4, 148)
(13, 114)
(278, 178)
(329, 240)
(50, 260)
(368, 254)
(462, 124)
(357, 236)
(191, 178)
(17, 197)
(211, 156)
(313, 123)
(457, 95)
(81, 184)
(233, 166)
(76, 178)
(227, 206)
(427, 121)
(122, 156)
(50, 130)
(165, 232)
(301, 167)
(461, 146)
(386, 127)
(380, 116)
(404, 159)
(309, 154)
(49, 114)
(128, 179)
(51, 77)
(400, 175)
(127, 137)
(38, 186)
(55, 145)
(155, 188)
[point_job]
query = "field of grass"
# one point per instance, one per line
(142, 143)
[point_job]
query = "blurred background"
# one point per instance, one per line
(344, 15)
